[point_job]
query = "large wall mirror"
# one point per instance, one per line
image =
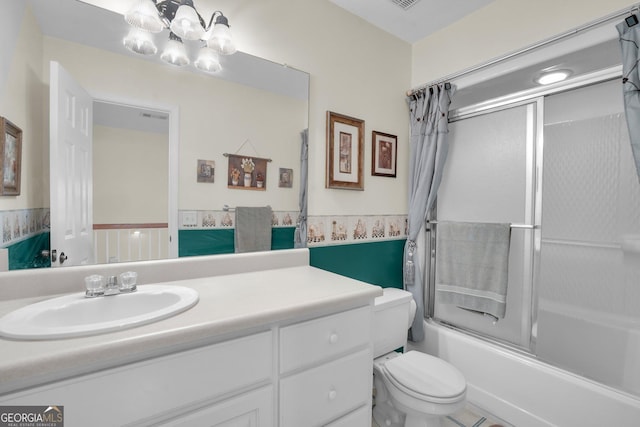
(153, 128)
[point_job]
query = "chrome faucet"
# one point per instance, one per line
(111, 288)
(97, 287)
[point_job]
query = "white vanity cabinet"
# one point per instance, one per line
(285, 346)
(313, 373)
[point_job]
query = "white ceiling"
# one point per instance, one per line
(421, 19)
(418, 21)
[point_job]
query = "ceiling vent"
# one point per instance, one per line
(154, 116)
(405, 4)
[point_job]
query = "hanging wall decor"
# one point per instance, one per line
(345, 152)
(247, 173)
(384, 150)
(206, 170)
(10, 158)
(285, 178)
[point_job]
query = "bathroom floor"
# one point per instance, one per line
(470, 416)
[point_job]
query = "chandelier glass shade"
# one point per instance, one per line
(184, 22)
(141, 42)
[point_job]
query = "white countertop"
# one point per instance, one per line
(229, 306)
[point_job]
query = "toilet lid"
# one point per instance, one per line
(426, 375)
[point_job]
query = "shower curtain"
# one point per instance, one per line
(300, 234)
(428, 115)
(629, 32)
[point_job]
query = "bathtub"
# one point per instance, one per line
(524, 391)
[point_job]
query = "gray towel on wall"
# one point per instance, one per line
(253, 229)
(472, 261)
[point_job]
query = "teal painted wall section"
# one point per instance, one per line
(221, 241)
(27, 253)
(378, 263)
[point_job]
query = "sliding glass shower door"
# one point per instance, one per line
(589, 288)
(573, 297)
(490, 177)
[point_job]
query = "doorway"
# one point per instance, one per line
(131, 182)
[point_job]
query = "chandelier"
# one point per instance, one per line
(184, 23)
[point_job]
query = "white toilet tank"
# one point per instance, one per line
(392, 316)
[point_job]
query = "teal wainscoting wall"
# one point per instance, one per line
(27, 253)
(378, 263)
(220, 241)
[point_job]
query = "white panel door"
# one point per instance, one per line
(71, 132)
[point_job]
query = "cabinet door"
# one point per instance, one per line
(158, 389)
(253, 409)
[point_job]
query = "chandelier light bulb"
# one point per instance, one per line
(208, 60)
(175, 54)
(141, 42)
(220, 39)
(144, 15)
(186, 23)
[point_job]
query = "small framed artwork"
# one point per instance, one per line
(10, 158)
(384, 149)
(247, 173)
(345, 152)
(285, 178)
(206, 170)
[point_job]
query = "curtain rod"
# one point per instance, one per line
(598, 22)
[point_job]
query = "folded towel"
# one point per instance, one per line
(472, 262)
(253, 229)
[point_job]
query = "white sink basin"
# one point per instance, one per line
(74, 315)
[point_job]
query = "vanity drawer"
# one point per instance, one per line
(322, 394)
(358, 418)
(318, 340)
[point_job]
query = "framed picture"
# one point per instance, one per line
(285, 178)
(247, 173)
(384, 149)
(10, 158)
(206, 170)
(345, 152)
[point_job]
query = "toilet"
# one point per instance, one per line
(412, 389)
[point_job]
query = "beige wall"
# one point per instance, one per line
(21, 101)
(130, 178)
(356, 69)
(502, 27)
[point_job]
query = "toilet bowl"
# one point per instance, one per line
(412, 389)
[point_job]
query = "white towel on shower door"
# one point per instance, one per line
(472, 261)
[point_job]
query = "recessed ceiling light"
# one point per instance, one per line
(552, 77)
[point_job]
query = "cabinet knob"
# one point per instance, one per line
(332, 394)
(333, 338)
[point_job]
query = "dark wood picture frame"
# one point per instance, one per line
(10, 158)
(384, 154)
(345, 152)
